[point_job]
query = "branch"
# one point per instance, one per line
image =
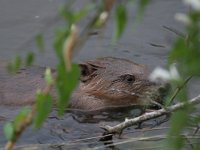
(178, 89)
(147, 116)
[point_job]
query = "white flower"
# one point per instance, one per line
(195, 4)
(182, 18)
(174, 74)
(103, 16)
(162, 75)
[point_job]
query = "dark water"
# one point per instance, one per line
(149, 43)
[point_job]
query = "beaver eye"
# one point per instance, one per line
(84, 72)
(129, 78)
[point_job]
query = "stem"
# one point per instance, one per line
(178, 89)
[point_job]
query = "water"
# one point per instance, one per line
(149, 43)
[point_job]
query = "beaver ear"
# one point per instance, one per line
(86, 71)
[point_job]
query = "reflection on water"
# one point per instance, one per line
(114, 113)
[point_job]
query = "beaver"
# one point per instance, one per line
(109, 81)
(104, 82)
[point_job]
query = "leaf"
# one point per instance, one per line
(40, 42)
(197, 119)
(48, 77)
(43, 107)
(186, 54)
(121, 20)
(179, 120)
(82, 12)
(67, 14)
(142, 5)
(196, 147)
(9, 131)
(66, 82)
(15, 64)
(74, 16)
(29, 58)
(20, 118)
(60, 37)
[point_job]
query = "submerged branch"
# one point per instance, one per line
(147, 116)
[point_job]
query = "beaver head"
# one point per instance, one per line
(114, 82)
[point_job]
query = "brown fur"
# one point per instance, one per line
(105, 82)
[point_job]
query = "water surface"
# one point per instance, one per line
(149, 43)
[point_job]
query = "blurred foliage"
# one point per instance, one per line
(48, 77)
(185, 53)
(43, 108)
(40, 42)
(9, 131)
(66, 82)
(142, 5)
(12, 128)
(29, 59)
(19, 62)
(15, 65)
(121, 20)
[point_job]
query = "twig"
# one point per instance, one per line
(147, 116)
(178, 89)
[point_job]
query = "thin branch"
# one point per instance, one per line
(147, 116)
(178, 89)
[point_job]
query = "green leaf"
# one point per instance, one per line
(20, 117)
(67, 14)
(74, 16)
(29, 58)
(197, 119)
(196, 147)
(40, 42)
(60, 37)
(66, 82)
(142, 5)
(43, 107)
(9, 131)
(179, 121)
(48, 77)
(15, 64)
(121, 20)
(82, 12)
(186, 54)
